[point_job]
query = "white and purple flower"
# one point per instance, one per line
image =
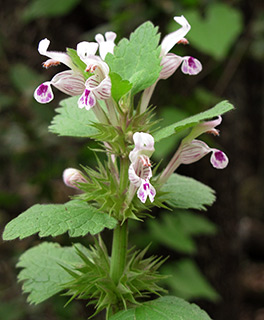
(97, 86)
(197, 149)
(192, 150)
(72, 82)
(140, 172)
(170, 61)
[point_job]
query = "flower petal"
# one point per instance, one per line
(43, 93)
(87, 100)
(193, 151)
(101, 90)
(69, 82)
(170, 63)
(200, 128)
(86, 49)
(107, 45)
(144, 145)
(191, 66)
(138, 171)
(54, 55)
(219, 159)
(146, 190)
(171, 39)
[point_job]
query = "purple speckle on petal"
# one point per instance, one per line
(219, 156)
(86, 95)
(42, 89)
(91, 101)
(145, 186)
(191, 63)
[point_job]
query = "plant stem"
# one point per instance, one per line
(119, 250)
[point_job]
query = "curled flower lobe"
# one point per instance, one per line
(55, 57)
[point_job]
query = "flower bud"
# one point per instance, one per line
(71, 177)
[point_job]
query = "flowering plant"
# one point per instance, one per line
(123, 187)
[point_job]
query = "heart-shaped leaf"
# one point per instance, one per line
(214, 34)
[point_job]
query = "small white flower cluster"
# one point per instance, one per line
(72, 82)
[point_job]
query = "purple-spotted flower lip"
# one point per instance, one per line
(146, 190)
(191, 66)
(43, 93)
(94, 89)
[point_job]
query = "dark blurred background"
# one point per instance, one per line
(221, 268)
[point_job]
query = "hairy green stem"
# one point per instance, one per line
(119, 251)
(124, 164)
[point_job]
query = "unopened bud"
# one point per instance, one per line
(71, 177)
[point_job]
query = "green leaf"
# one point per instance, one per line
(175, 230)
(119, 87)
(42, 273)
(164, 308)
(217, 31)
(188, 282)
(76, 59)
(72, 121)
(137, 59)
(194, 224)
(76, 217)
(47, 8)
(176, 127)
(187, 193)
(171, 234)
